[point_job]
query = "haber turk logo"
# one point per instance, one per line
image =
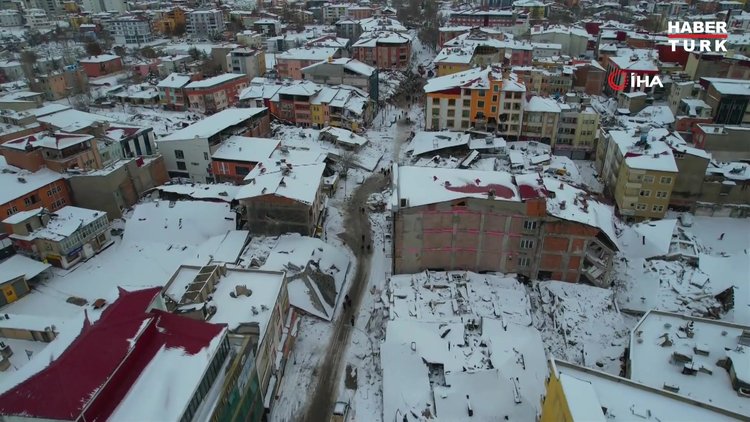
(701, 37)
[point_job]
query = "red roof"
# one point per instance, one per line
(95, 372)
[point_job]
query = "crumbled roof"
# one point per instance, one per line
(19, 265)
(353, 65)
(17, 182)
(297, 182)
(424, 142)
(245, 149)
(174, 80)
(58, 141)
(63, 223)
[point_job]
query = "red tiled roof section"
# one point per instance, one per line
(96, 371)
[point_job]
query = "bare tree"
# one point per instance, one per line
(347, 160)
(93, 48)
(28, 60)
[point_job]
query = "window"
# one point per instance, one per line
(661, 194)
(451, 113)
(665, 180)
(435, 111)
(436, 101)
(480, 104)
(524, 262)
(493, 109)
(496, 88)
(465, 114)
(658, 208)
(645, 193)
(640, 207)
(179, 154)
(679, 155)
(451, 103)
(648, 179)
(12, 210)
(527, 244)
(529, 225)
(49, 193)
(181, 165)
(205, 156)
(467, 103)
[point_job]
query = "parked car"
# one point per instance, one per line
(340, 411)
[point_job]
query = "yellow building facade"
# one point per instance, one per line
(643, 194)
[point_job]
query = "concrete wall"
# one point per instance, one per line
(274, 215)
(687, 187)
(119, 188)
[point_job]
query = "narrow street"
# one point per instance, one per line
(320, 402)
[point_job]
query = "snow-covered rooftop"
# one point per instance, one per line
(216, 80)
(58, 141)
(308, 53)
(99, 59)
(542, 105)
(19, 265)
(174, 80)
(683, 353)
(350, 64)
(424, 142)
(222, 191)
(644, 152)
(593, 395)
(245, 149)
(344, 136)
(63, 223)
(422, 185)
(71, 120)
(213, 124)
(296, 182)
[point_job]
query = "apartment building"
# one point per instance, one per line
(213, 293)
(486, 98)
(36, 19)
(215, 94)
(63, 237)
(573, 41)
(639, 171)
(450, 219)
(187, 152)
(55, 85)
(58, 151)
(624, 66)
(728, 99)
(24, 190)
(205, 23)
(541, 117)
(172, 91)
(131, 30)
(544, 82)
(10, 18)
(248, 61)
(283, 198)
(165, 21)
(383, 49)
(484, 18)
(578, 130)
(238, 155)
(344, 71)
(290, 63)
(725, 143)
(103, 64)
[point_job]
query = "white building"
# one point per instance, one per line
(10, 18)
(131, 30)
(250, 61)
(201, 23)
(187, 152)
(36, 18)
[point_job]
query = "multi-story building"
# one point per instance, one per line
(215, 94)
(621, 67)
(541, 117)
(283, 198)
(332, 12)
(205, 23)
(484, 18)
(383, 50)
(588, 77)
(250, 61)
(267, 27)
(725, 143)
(238, 155)
(573, 41)
(103, 64)
(36, 19)
(57, 151)
(61, 84)
(214, 373)
(344, 71)
(728, 99)
(290, 63)
(639, 171)
(172, 91)
(10, 18)
(482, 97)
(131, 29)
(213, 293)
(24, 190)
(578, 129)
(187, 152)
(545, 82)
(450, 219)
(165, 21)
(63, 237)
(105, 6)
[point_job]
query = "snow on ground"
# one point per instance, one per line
(587, 170)
(708, 230)
(581, 324)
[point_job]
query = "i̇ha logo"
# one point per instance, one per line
(619, 79)
(701, 37)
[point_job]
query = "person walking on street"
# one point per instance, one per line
(352, 320)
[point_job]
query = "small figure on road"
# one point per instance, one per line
(344, 306)
(352, 320)
(721, 237)
(369, 246)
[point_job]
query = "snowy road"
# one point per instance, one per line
(358, 237)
